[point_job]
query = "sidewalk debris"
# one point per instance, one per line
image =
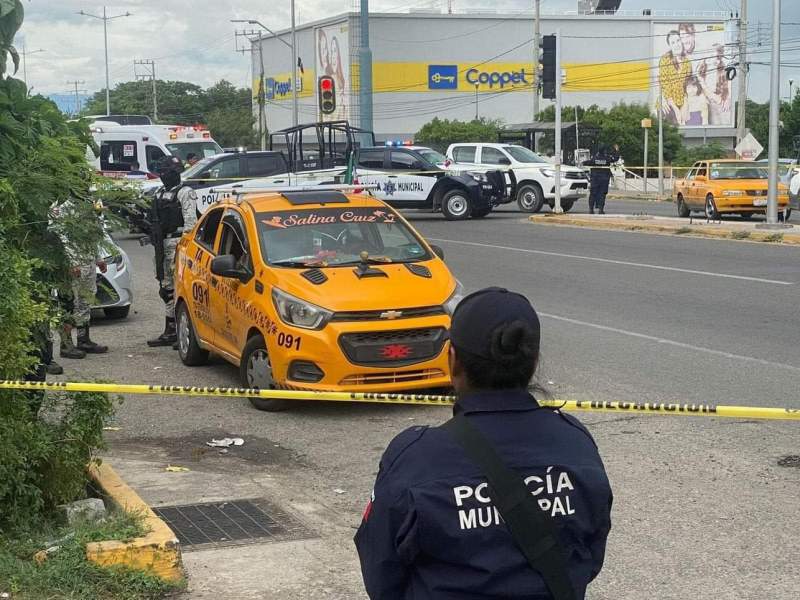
(112, 428)
(175, 469)
(339, 491)
(88, 509)
(225, 442)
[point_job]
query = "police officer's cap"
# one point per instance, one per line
(170, 163)
(478, 315)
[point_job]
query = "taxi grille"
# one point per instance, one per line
(383, 315)
(757, 192)
(391, 377)
(393, 348)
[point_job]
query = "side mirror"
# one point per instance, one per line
(225, 266)
(437, 250)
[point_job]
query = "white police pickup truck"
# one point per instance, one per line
(535, 176)
(410, 176)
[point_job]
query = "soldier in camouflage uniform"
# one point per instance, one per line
(177, 207)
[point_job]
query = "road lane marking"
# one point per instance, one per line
(653, 338)
(617, 262)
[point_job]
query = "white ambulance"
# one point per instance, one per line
(133, 151)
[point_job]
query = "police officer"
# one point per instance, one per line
(432, 528)
(599, 179)
(175, 211)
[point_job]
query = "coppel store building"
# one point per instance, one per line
(454, 65)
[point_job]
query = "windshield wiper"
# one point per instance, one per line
(299, 264)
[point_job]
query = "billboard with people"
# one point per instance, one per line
(690, 83)
(333, 58)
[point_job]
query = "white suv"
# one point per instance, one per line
(535, 176)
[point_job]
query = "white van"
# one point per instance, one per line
(123, 147)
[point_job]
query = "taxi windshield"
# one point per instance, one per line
(331, 237)
(736, 170)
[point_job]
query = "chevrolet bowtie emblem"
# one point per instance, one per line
(392, 314)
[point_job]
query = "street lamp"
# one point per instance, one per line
(105, 19)
(292, 46)
(25, 54)
(791, 89)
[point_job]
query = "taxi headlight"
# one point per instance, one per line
(456, 297)
(733, 193)
(299, 313)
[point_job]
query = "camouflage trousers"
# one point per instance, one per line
(84, 289)
(168, 284)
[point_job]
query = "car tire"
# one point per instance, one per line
(711, 208)
(117, 312)
(456, 205)
(479, 214)
(255, 371)
(566, 205)
(189, 351)
(683, 210)
(746, 215)
(530, 198)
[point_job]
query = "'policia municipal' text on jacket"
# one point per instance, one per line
(432, 530)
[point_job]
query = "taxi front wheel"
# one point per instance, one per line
(255, 371)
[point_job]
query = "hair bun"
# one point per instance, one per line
(512, 341)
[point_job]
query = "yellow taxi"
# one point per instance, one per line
(723, 187)
(314, 290)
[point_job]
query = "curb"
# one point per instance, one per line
(158, 552)
(643, 226)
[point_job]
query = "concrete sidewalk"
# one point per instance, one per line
(696, 226)
(325, 561)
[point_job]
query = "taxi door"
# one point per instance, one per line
(700, 186)
(196, 273)
(233, 301)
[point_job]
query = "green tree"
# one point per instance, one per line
(45, 184)
(621, 124)
(225, 109)
(758, 124)
(688, 155)
(440, 133)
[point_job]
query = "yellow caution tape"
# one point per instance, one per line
(605, 406)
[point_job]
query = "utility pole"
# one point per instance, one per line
(365, 74)
(537, 40)
(262, 92)
(25, 54)
(476, 101)
(77, 95)
(294, 69)
(557, 209)
(742, 113)
(151, 65)
(660, 143)
(105, 19)
(774, 122)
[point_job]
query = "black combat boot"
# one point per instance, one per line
(169, 337)
(67, 348)
(53, 368)
(86, 344)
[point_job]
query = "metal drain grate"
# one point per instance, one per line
(789, 461)
(239, 522)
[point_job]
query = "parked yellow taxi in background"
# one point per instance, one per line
(722, 187)
(314, 290)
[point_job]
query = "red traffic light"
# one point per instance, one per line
(326, 84)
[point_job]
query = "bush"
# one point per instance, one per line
(440, 133)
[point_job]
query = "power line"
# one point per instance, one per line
(77, 94)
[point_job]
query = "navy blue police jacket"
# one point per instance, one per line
(431, 529)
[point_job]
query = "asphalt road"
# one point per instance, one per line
(702, 509)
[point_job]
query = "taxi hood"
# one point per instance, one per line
(387, 286)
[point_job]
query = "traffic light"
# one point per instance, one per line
(327, 94)
(549, 67)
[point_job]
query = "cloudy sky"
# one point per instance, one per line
(193, 39)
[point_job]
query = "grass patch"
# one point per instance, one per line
(66, 574)
(773, 237)
(683, 230)
(740, 235)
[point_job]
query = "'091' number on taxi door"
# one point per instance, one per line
(287, 340)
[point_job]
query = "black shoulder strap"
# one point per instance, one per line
(532, 530)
